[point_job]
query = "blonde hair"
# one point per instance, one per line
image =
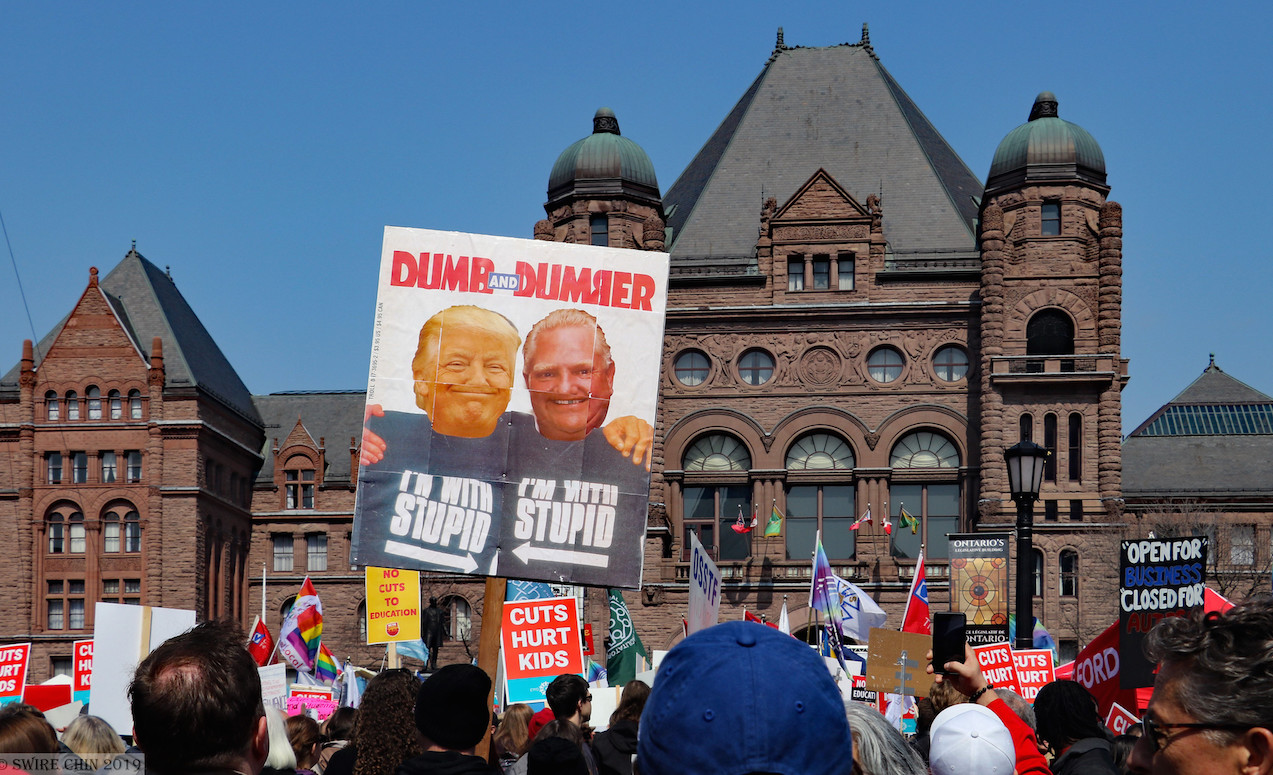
(93, 740)
(459, 315)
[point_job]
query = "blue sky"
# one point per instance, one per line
(258, 149)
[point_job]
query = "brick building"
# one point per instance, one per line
(856, 321)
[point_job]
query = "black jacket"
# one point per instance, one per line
(446, 763)
(1091, 756)
(614, 747)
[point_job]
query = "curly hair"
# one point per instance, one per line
(1229, 662)
(385, 734)
(1066, 713)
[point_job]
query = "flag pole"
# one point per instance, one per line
(263, 595)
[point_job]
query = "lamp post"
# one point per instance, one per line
(1025, 476)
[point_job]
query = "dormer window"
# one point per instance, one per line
(1051, 219)
(298, 477)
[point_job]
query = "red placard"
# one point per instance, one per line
(541, 641)
(1035, 670)
(82, 676)
(47, 696)
(1120, 719)
(13, 669)
(997, 665)
(587, 640)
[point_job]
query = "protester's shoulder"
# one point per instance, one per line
(342, 762)
(446, 763)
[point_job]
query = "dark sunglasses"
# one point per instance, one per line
(1158, 737)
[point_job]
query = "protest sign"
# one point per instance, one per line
(1120, 719)
(704, 588)
(979, 584)
(82, 669)
(13, 671)
(274, 685)
(1157, 578)
(315, 701)
(897, 662)
(862, 694)
(47, 696)
(1097, 667)
(484, 463)
(540, 641)
(393, 605)
(1035, 669)
(122, 636)
(997, 665)
(588, 649)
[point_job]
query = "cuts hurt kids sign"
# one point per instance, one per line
(510, 408)
(540, 640)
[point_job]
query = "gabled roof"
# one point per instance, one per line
(148, 305)
(1214, 438)
(332, 416)
(835, 108)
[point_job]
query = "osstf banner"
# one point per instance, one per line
(393, 605)
(540, 641)
(1158, 577)
(510, 408)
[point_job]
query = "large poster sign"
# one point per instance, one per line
(393, 605)
(1035, 669)
(82, 669)
(1157, 578)
(13, 671)
(979, 584)
(705, 583)
(122, 636)
(510, 408)
(540, 641)
(998, 666)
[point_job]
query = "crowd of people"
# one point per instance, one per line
(736, 698)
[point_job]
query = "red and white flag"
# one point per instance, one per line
(261, 643)
(917, 617)
(864, 519)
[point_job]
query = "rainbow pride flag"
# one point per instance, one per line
(298, 639)
(325, 667)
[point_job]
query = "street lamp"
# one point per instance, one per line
(1025, 476)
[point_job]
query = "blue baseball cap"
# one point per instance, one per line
(739, 698)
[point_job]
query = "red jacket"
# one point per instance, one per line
(1029, 760)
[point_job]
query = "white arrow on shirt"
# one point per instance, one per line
(526, 553)
(465, 564)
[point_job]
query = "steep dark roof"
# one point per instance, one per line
(148, 304)
(835, 108)
(1215, 438)
(335, 416)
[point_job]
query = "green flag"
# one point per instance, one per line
(774, 526)
(625, 646)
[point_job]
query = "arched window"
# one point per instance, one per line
(459, 616)
(884, 364)
(1027, 427)
(1049, 441)
(691, 368)
(1037, 572)
(116, 404)
(717, 452)
(710, 508)
(111, 532)
(1069, 573)
(819, 451)
(75, 534)
(924, 511)
(286, 608)
(94, 396)
(132, 532)
(1076, 447)
(820, 506)
(1049, 332)
(924, 449)
(72, 405)
(56, 530)
(134, 404)
(52, 406)
(362, 621)
(298, 476)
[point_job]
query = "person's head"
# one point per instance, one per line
(385, 732)
(1065, 713)
(1121, 750)
(513, 734)
(537, 722)
(570, 698)
(1020, 706)
(305, 738)
(970, 738)
(631, 702)
(452, 708)
(555, 754)
(1215, 672)
(943, 695)
(878, 748)
(745, 694)
(563, 729)
(340, 724)
(281, 756)
(567, 366)
(196, 703)
(93, 740)
(23, 729)
(463, 370)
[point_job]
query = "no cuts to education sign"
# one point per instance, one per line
(510, 408)
(540, 640)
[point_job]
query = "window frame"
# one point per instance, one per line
(283, 552)
(885, 373)
(688, 373)
(314, 552)
(753, 373)
(1050, 218)
(950, 367)
(1068, 585)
